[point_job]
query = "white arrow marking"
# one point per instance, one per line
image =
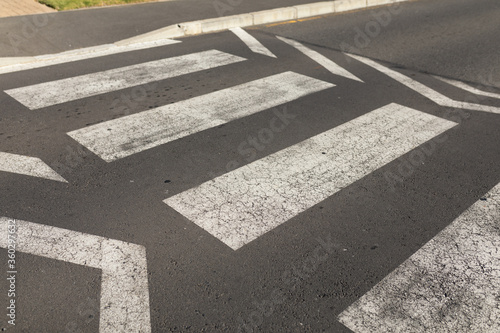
(320, 59)
(424, 90)
(124, 305)
(466, 87)
(252, 43)
(29, 166)
(450, 285)
(126, 136)
(242, 205)
(65, 90)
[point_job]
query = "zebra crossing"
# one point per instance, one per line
(244, 204)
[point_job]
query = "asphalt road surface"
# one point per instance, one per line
(333, 175)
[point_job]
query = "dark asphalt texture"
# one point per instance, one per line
(198, 284)
(32, 35)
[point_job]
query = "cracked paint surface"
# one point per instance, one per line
(124, 305)
(29, 166)
(55, 92)
(242, 205)
(452, 284)
(132, 134)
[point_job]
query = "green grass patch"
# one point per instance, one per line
(75, 4)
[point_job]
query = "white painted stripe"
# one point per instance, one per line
(252, 43)
(242, 205)
(29, 166)
(124, 305)
(466, 87)
(450, 285)
(79, 54)
(424, 90)
(123, 137)
(320, 59)
(65, 90)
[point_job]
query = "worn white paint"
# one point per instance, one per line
(320, 59)
(124, 305)
(450, 285)
(26, 63)
(431, 94)
(29, 166)
(70, 89)
(242, 205)
(252, 43)
(466, 87)
(128, 135)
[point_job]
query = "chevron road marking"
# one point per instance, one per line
(450, 285)
(29, 166)
(466, 87)
(424, 90)
(124, 305)
(70, 89)
(128, 135)
(242, 205)
(252, 43)
(320, 59)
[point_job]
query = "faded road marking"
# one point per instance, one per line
(132, 134)
(252, 43)
(82, 54)
(242, 205)
(70, 89)
(320, 59)
(450, 285)
(466, 87)
(29, 166)
(431, 94)
(124, 290)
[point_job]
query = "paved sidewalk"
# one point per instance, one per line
(22, 7)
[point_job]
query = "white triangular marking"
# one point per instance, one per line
(252, 43)
(320, 59)
(29, 166)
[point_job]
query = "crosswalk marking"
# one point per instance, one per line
(242, 205)
(124, 305)
(29, 166)
(252, 43)
(320, 59)
(424, 90)
(70, 89)
(81, 54)
(450, 285)
(466, 87)
(123, 137)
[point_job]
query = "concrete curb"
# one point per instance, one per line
(199, 27)
(255, 18)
